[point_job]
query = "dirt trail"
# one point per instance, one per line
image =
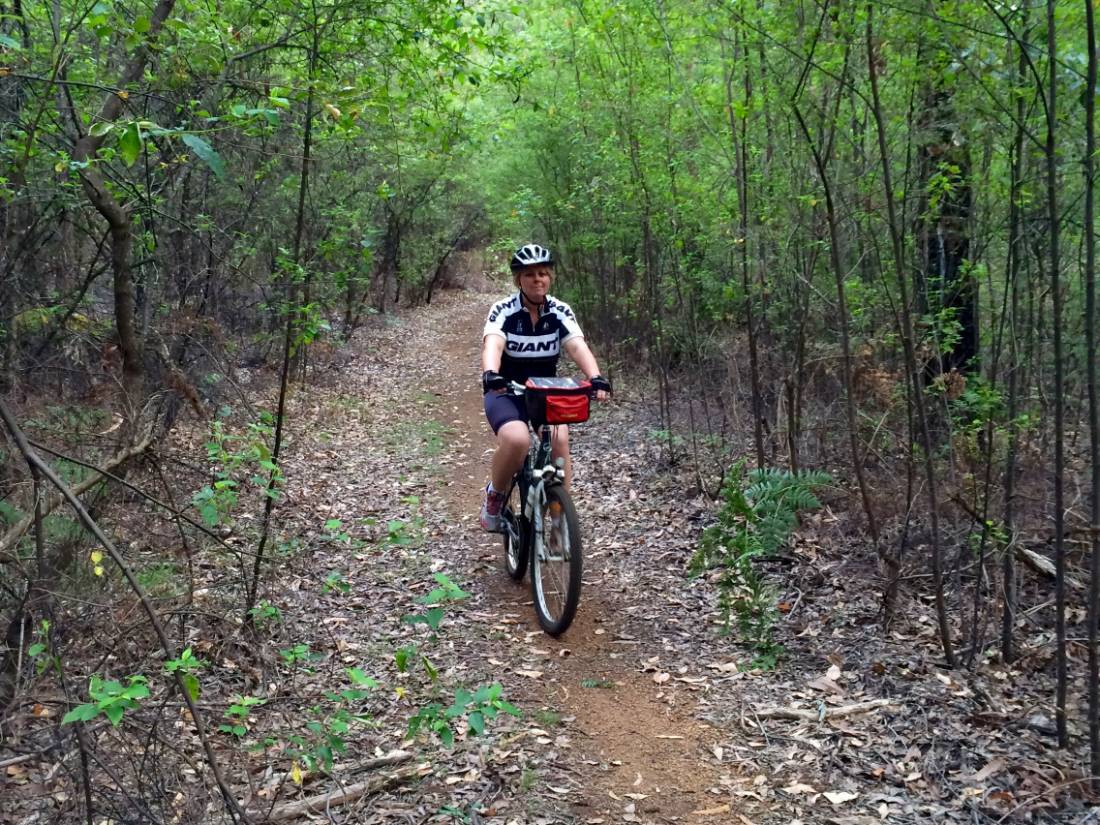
(638, 751)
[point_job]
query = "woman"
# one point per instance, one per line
(523, 338)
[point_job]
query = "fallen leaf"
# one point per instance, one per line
(796, 788)
(840, 797)
(827, 685)
(661, 678)
(994, 767)
(530, 674)
(721, 809)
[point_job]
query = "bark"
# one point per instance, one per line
(886, 556)
(1059, 379)
(252, 583)
(118, 217)
(1094, 396)
(915, 373)
(34, 461)
(1012, 290)
(944, 163)
(739, 135)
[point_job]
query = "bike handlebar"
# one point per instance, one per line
(518, 389)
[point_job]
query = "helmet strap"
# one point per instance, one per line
(528, 302)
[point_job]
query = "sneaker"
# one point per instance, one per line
(491, 504)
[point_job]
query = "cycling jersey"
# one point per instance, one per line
(531, 349)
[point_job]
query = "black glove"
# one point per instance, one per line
(598, 382)
(492, 381)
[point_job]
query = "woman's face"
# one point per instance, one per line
(534, 281)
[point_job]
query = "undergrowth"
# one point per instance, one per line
(758, 513)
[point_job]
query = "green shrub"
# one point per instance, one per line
(757, 516)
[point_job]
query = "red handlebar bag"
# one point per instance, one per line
(557, 400)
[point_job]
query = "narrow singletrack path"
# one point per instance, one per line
(642, 711)
(637, 748)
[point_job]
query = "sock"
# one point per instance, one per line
(493, 489)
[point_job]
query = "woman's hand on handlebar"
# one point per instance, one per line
(602, 386)
(492, 380)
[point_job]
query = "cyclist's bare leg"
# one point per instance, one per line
(513, 441)
(559, 447)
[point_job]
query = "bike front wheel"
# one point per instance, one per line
(556, 563)
(514, 527)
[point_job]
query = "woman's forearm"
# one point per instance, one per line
(492, 348)
(582, 356)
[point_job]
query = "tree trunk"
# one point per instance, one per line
(916, 379)
(118, 219)
(1059, 379)
(739, 135)
(1094, 397)
(946, 286)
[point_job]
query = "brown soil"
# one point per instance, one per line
(649, 748)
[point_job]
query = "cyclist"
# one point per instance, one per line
(523, 338)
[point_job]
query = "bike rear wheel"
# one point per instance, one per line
(514, 526)
(556, 563)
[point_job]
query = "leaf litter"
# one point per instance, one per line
(643, 711)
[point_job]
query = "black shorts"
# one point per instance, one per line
(501, 407)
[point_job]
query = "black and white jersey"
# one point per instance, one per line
(531, 349)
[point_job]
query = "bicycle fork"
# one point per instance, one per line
(533, 508)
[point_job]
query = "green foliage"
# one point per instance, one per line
(238, 714)
(109, 698)
(266, 614)
(336, 582)
(206, 153)
(297, 654)
(755, 520)
(236, 458)
(447, 593)
(597, 683)
(185, 666)
(477, 708)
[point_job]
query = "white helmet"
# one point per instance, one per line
(531, 254)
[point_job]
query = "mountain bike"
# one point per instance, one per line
(538, 519)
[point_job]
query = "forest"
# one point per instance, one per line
(839, 259)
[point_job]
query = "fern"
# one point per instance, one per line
(758, 514)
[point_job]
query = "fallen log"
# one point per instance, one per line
(825, 713)
(16, 532)
(350, 793)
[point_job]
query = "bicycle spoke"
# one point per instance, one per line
(556, 572)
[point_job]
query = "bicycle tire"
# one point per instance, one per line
(516, 544)
(556, 563)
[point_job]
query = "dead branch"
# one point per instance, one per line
(16, 532)
(322, 802)
(34, 460)
(826, 712)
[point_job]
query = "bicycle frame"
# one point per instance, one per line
(537, 473)
(541, 530)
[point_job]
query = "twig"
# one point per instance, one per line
(829, 713)
(33, 459)
(15, 760)
(173, 511)
(1041, 794)
(12, 536)
(318, 804)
